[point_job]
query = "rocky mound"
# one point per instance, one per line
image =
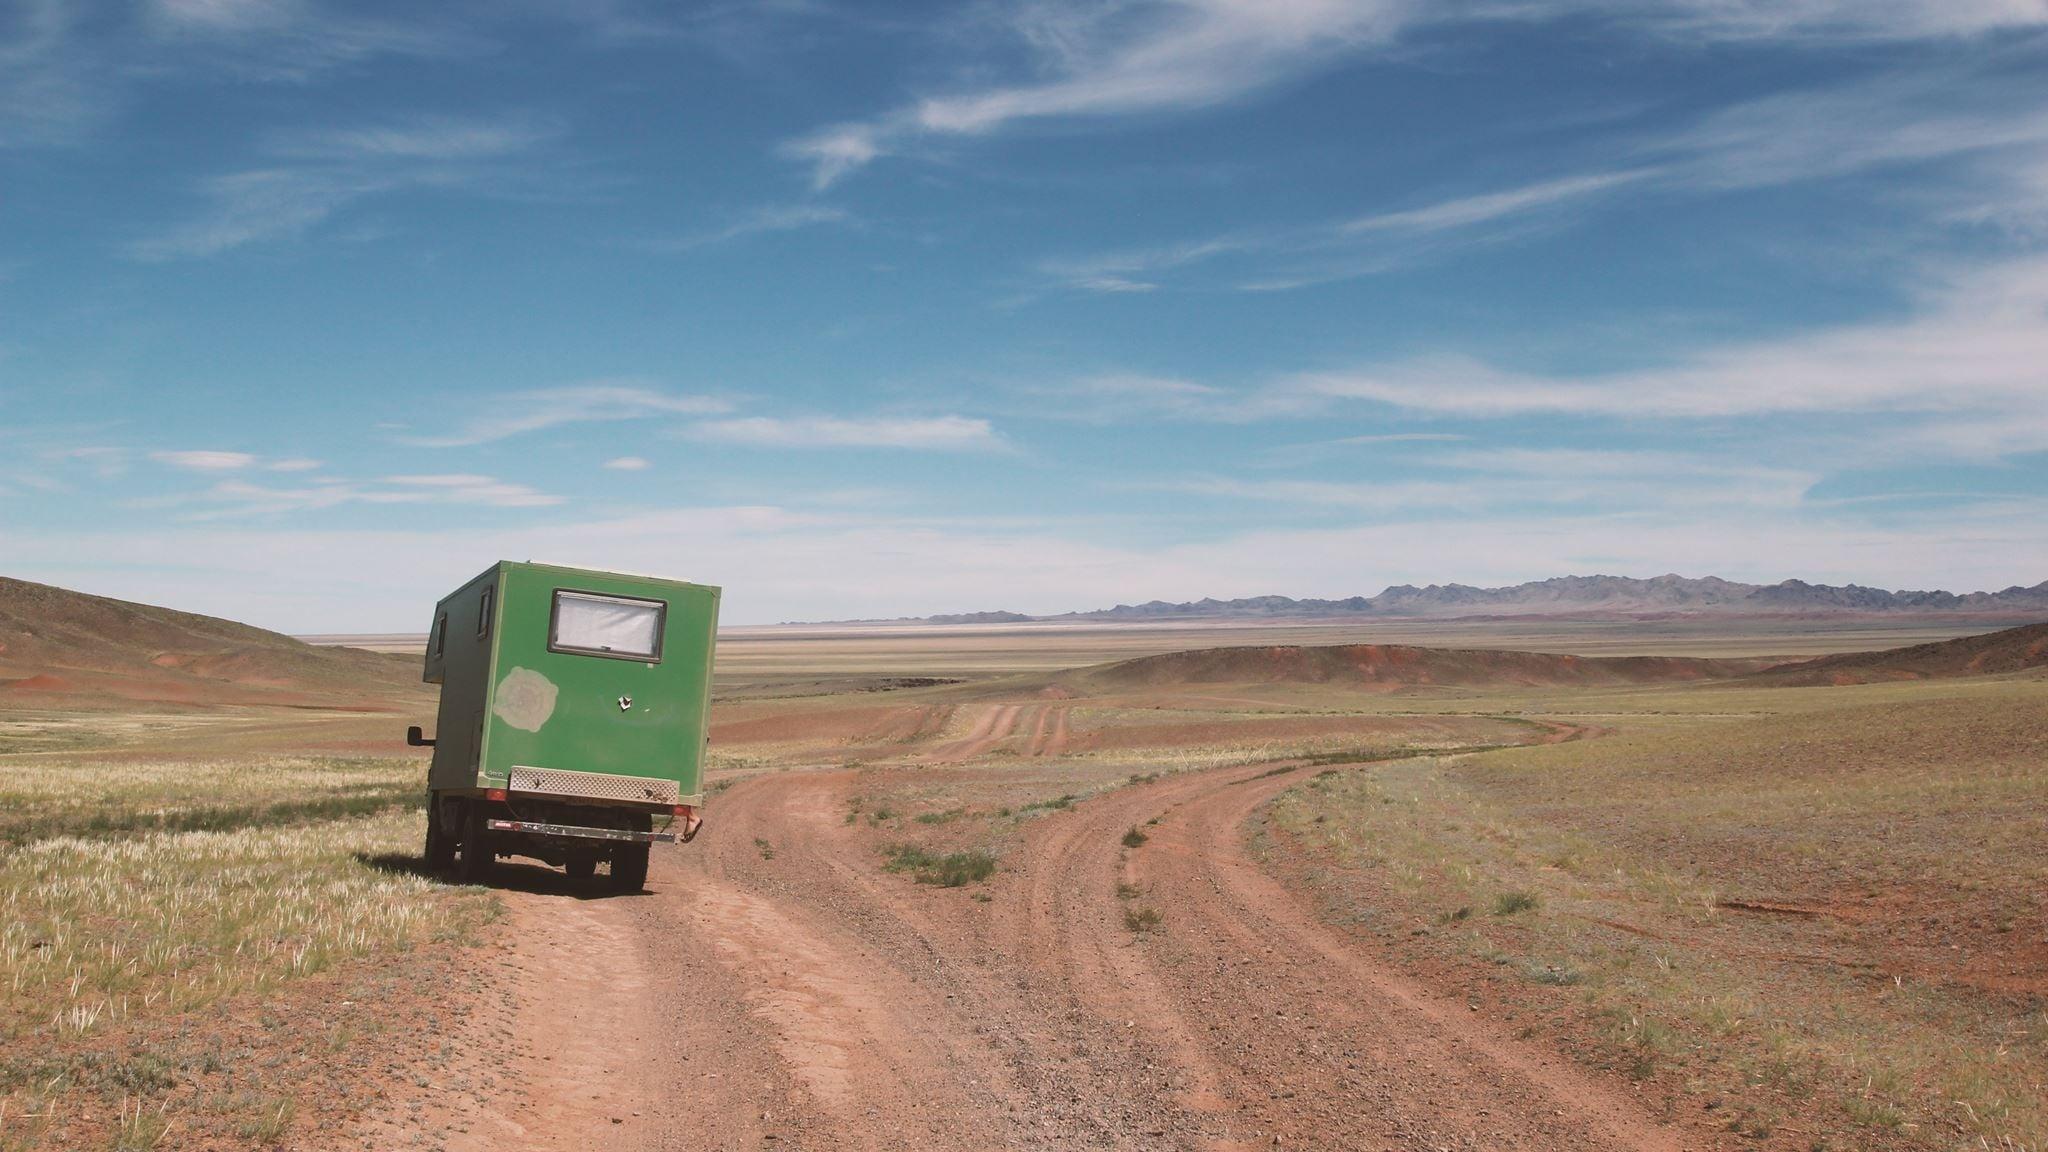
(62, 646)
(1398, 666)
(2012, 650)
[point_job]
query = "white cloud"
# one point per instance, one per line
(777, 565)
(598, 401)
(230, 499)
(1978, 347)
(835, 151)
(1276, 259)
(761, 221)
(1464, 212)
(48, 92)
(1398, 438)
(1123, 396)
(938, 433)
(316, 175)
(627, 464)
(464, 488)
(1496, 479)
(1120, 59)
(1834, 19)
(202, 460)
(293, 464)
(1114, 284)
(1127, 58)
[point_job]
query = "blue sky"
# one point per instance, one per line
(308, 311)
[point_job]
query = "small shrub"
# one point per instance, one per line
(1509, 903)
(767, 849)
(1142, 920)
(1134, 838)
(953, 870)
(1128, 891)
(1555, 975)
(1057, 802)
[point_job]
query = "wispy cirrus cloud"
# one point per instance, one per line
(1132, 58)
(1962, 375)
(313, 176)
(49, 87)
(931, 433)
(70, 67)
(1585, 480)
(597, 401)
(238, 498)
(1116, 397)
(761, 221)
(1976, 137)
(218, 460)
(1117, 59)
(1468, 211)
(1977, 346)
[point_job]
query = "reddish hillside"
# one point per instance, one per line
(2013, 650)
(1397, 666)
(70, 648)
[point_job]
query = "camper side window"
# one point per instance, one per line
(594, 625)
(483, 615)
(441, 636)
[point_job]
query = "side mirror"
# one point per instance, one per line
(416, 738)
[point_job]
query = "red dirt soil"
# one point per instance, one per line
(825, 1004)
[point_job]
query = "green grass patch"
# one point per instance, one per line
(951, 870)
(1510, 903)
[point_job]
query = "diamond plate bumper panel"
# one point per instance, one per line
(594, 785)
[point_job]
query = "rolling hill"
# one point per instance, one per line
(2013, 650)
(1393, 666)
(70, 647)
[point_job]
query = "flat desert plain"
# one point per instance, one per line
(1069, 888)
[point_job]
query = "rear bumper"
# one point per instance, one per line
(598, 787)
(537, 828)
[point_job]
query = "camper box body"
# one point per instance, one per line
(574, 706)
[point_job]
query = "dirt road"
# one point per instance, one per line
(825, 1004)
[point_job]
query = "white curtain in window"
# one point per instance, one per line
(602, 624)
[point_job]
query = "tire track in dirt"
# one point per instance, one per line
(1049, 734)
(778, 986)
(996, 725)
(1358, 1048)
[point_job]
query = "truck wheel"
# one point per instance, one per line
(629, 868)
(440, 845)
(476, 860)
(581, 867)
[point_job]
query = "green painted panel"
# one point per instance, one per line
(563, 710)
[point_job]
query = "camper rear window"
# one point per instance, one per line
(595, 625)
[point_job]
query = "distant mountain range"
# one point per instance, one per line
(1599, 596)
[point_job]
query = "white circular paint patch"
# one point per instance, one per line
(524, 699)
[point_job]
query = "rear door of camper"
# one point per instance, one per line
(598, 672)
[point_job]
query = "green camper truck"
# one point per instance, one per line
(574, 707)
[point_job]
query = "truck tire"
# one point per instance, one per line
(629, 868)
(474, 865)
(440, 846)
